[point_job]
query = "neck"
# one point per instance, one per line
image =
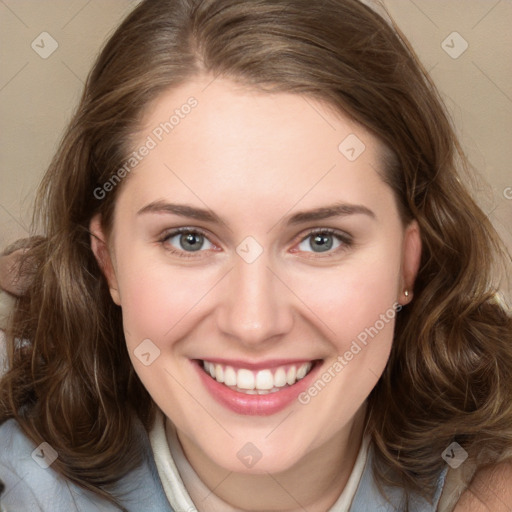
(314, 483)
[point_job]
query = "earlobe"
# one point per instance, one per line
(102, 254)
(410, 262)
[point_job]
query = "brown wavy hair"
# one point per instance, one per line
(448, 377)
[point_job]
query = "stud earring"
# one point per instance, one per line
(406, 293)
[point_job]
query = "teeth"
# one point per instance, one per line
(264, 380)
(280, 378)
(290, 375)
(229, 376)
(219, 373)
(260, 382)
(301, 372)
(244, 379)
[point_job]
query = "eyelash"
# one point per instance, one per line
(345, 239)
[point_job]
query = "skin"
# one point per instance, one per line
(490, 490)
(254, 159)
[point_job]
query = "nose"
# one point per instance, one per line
(257, 305)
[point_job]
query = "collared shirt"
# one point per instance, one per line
(180, 481)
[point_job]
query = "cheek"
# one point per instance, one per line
(160, 303)
(157, 299)
(352, 297)
(357, 305)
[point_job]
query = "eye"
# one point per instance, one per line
(324, 241)
(186, 240)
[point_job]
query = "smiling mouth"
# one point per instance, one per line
(260, 382)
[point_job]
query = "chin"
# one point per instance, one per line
(248, 458)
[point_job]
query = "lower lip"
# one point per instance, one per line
(254, 405)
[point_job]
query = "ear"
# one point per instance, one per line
(101, 251)
(411, 258)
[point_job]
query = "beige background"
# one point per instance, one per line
(38, 95)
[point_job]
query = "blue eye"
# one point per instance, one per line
(186, 240)
(191, 242)
(324, 240)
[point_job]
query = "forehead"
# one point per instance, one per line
(219, 137)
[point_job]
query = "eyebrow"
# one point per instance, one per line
(322, 213)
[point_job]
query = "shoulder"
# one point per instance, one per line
(373, 494)
(24, 480)
(30, 483)
(490, 489)
(15, 444)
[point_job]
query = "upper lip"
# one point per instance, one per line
(259, 365)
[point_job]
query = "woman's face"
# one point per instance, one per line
(292, 259)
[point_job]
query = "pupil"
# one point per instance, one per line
(324, 242)
(190, 241)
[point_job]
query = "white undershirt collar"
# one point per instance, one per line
(177, 475)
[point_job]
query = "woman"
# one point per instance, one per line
(263, 285)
